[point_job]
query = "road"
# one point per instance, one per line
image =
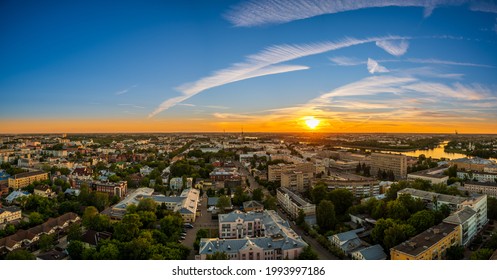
(322, 252)
(204, 221)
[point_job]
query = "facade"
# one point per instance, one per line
(44, 190)
(119, 189)
(185, 204)
(489, 189)
(23, 180)
(275, 170)
(222, 174)
(296, 180)
(292, 203)
(82, 173)
(478, 176)
(428, 245)
(9, 214)
(347, 242)
(396, 163)
(253, 236)
(474, 164)
(433, 175)
(466, 218)
(359, 188)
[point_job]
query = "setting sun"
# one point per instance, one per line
(311, 122)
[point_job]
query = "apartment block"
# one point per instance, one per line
(119, 188)
(487, 188)
(22, 180)
(296, 180)
(275, 170)
(9, 214)
(431, 244)
(292, 203)
(395, 162)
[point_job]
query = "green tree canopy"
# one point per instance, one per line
(422, 220)
(342, 200)
(146, 204)
(20, 254)
(308, 254)
(325, 215)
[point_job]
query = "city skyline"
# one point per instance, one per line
(260, 66)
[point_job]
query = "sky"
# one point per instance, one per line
(427, 66)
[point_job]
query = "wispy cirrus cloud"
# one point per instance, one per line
(350, 61)
(346, 61)
(121, 92)
(446, 62)
(374, 67)
(262, 64)
(394, 47)
(131, 105)
(263, 12)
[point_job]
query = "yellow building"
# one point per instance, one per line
(428, 245)
(22, 180)
(9, 214)
(386, 162)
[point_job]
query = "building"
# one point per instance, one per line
(292, 203)
(477, 176)
(474, 164)
(186, 204)
(374, 252)
(23, 180)
(434, 200)
(176, 183)
(222, 174)
(44, 190)
(389, 162)
(428, 245)
(15, 195)
(466, 218)
(119, 189)
(82, 173)
(253, 236)
(253, 206)
(275, 170)
(25, 238)
(492, 168)
(359, 188)
(433, 175)
(145, 171)
(347, 242)
(489, 189)
(296, 180)
(9, 214)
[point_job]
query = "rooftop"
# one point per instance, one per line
(430, 196)
(426, 239)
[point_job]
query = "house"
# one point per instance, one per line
(44, 191)
(92, 237)
(374, 252)
(347, 241)
(82, 173)
(13, 196)
(74, 192)
(253, 206)
(146, 170)
(9, 214)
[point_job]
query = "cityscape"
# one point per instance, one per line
(248, 130)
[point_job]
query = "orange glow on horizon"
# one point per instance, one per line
(198, 125)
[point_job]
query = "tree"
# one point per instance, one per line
(35, 218)
(74, 233)
(492, 208)
(146, 204)
(300, 218)
(422, 220)
(325, 215)
(201, 233)
(75, 249)
(147, 218)
(258, 194)
(308, 254)
(396, 234)
(88, 215)
(319, 192)
(378, 232)
(223, 203)
(270, 203)
(172, 226)
(341, 199)
(108, 251)
(482, 254)
(20, 254)
(397, 210)
(455, 252)
(218, 256)
(46, 242)
(128, 228)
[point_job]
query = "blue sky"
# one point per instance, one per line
(265, 65)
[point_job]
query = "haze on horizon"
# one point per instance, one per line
(266, 66)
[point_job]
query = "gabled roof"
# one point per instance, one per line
(461, 216)
(374, 252)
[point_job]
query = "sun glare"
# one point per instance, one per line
(312, 122)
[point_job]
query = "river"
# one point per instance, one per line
(437, 153)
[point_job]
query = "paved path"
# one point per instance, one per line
(204, 221)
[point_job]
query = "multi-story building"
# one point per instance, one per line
(487, 188)
(275, 170)
(253, 236)
(222, 174)
(119, 189)
(478, 176)
(474, 164)
(82, 173)
(434, 200)
(466, 218)
(9, 214)
(22, 180)
(292, 203)
(44, 190)
(433, 175)
(360, 188)
(185, 204)
(428, 245)
(296, 180)
(389, 162)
